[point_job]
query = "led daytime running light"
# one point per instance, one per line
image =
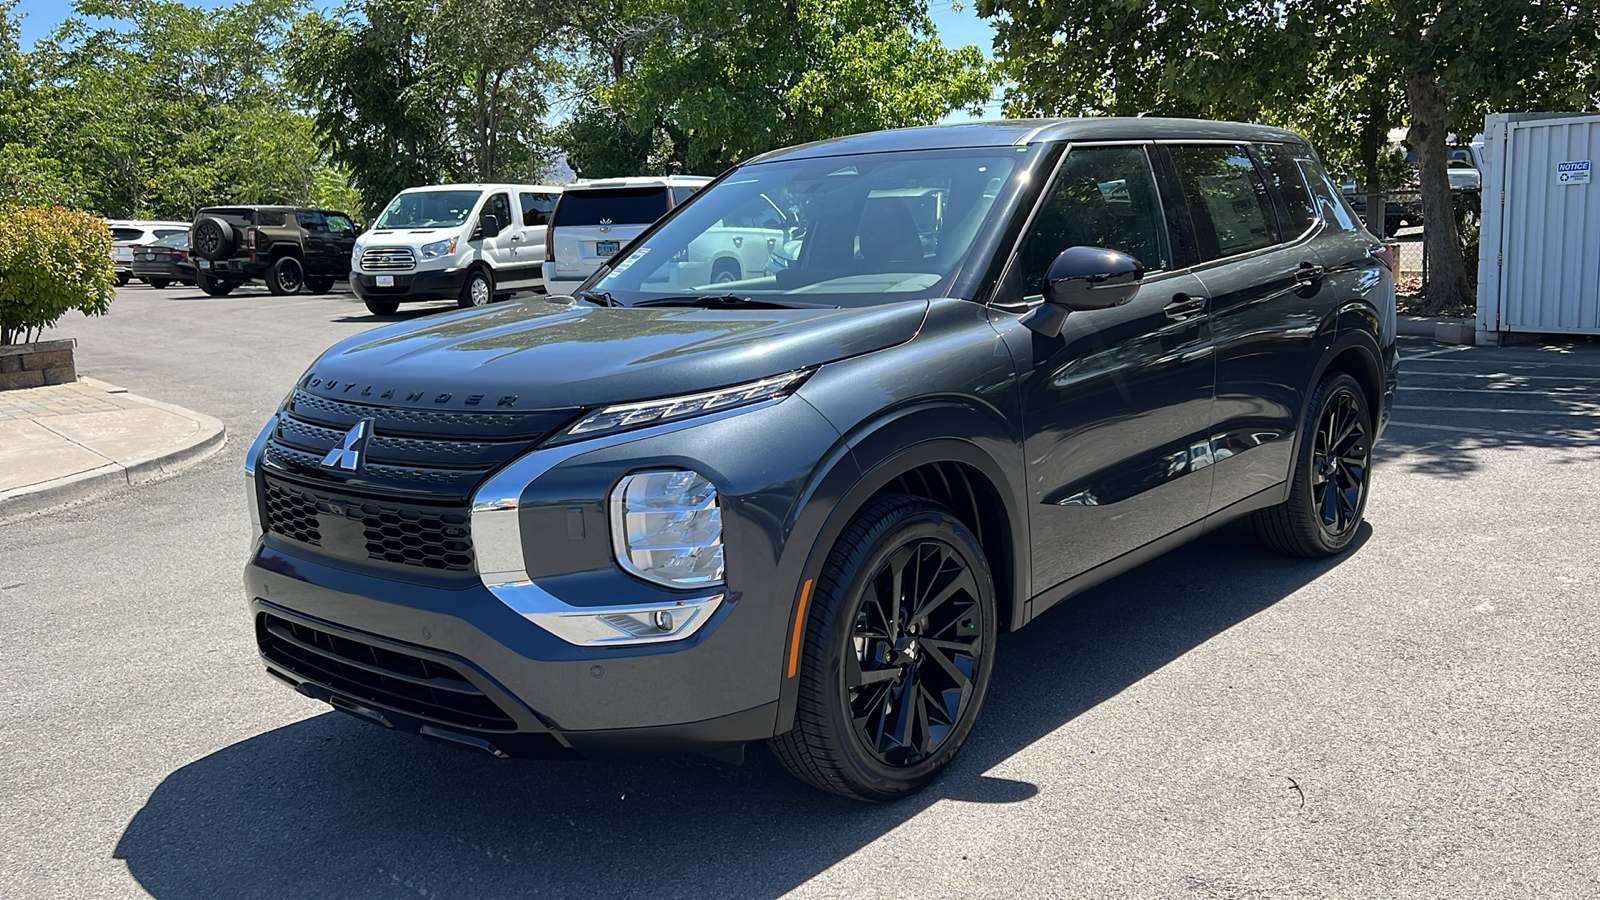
(654, 412)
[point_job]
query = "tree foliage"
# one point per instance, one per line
(1342, 72)
(700, 84)
(51, 260)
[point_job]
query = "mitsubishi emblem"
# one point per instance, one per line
(347, 455)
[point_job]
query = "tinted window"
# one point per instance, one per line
(681, 194)
(1102, 197)
(340, 224)
(1330, 206)
(499, 206)
(1284, 173)
(312, 221)
(127, 234)
(270, 219)
(623, 206)
(231, 212)
(169, 232)
(536, 208)
(1227, 201)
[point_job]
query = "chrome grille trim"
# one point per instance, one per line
(388, 259)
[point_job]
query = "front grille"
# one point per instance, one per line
(428, 537)
(388, 259)
(383, 676)
(430, 418)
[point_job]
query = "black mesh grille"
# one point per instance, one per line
(381, 676)
(411, 535)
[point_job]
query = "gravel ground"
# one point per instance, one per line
(1416, 719)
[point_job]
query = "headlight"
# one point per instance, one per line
(438, 249)
(655, 412)
(666, 527)
(355, 258)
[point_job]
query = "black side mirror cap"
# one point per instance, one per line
(488, 226)
(1083, 279)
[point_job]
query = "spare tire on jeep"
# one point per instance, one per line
(212, 238)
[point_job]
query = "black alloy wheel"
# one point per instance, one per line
(898, 650)
(286, 276)
(212, 286)
(1328, 495)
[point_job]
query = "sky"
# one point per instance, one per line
(956, 27)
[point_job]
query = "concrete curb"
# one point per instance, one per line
(1444, 329)
(210, 436)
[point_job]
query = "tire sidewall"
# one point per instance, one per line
(915, 523)
(275, 276)
(1331, 388)
(474, 276)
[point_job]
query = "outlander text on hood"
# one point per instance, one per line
(789, 462)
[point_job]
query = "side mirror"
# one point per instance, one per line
(1083, 279)
(488, 226)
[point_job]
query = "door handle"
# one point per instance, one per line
(1308, 272)
(516, 239)
(1185, 306)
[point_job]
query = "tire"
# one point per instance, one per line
(286, 276)
(478, 291)
(212, 238)
(724, 271)
(160, 284)
(381, 307)
(1325, 508)
(122, 280)
(214, 287)
(319, 285)
(843, 740)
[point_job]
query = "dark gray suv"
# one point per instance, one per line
(984, 367)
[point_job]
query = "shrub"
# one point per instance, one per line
(52, 260)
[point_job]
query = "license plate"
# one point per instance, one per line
(203, 263)
(385, 280)
(606, 248)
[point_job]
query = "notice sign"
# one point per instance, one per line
(1575, 172)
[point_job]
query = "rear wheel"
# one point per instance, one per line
(478, 291)
(381, 307)
(1328, 495)
(319, 285)
(123, 279)
(286, 276)
(725, 271)
(212, 286)
(898, 649)
(159, 283)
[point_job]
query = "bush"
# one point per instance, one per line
(52, 260)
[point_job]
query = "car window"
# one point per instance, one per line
(272, 219)
(536, 208)
(1101, 197)
(499, 206)
(682, 194)
(1333, 209)
(1227, 200)
(428, 209)
(619, 206)
(340, 224)
(1290, 184)
(174, 239)
(757, 212)
(311, 220)
(127, 234)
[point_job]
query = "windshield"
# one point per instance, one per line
(429, 209)
(844, 230)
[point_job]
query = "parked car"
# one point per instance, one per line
(1403, 207)
(126, 234)
(164, 262)
(594, 219)
(679, 513)
(289, 248)
(472, 243)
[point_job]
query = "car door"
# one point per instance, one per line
(1264, 278)
(341, 243)
(318, 243)
(1116, 409)
(536, 209)
(503, 250)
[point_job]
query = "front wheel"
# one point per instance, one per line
(286, 276)
(159, 284)
(319, 285)
(1328, 494)
(898, 649)
(380, 307)
(478, 291)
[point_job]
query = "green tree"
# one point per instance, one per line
(1344, 73)
(707, 83)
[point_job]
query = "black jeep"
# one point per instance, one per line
(287, 247)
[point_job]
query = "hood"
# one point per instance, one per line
(539, 355)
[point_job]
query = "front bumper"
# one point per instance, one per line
(444, 284)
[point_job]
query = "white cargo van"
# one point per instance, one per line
(472, 243)
(596, 218)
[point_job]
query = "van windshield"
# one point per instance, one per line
(429, 209)
(839, 231)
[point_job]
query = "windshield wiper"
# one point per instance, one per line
(599, 298)
(729, 301)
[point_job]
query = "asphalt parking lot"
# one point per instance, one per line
(1415, 719)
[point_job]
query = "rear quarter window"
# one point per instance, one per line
(1284, 173)
(270, 219)
(622, 206)
(1228, 202)
(536, 207)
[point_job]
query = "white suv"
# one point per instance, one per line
(596, 218)
(129, 233)
(472, 243)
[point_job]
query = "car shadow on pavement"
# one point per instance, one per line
(334, 807)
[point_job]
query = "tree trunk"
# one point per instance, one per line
(1449, 285)
(1372, 139)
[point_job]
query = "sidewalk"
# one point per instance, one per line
(68, 442)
